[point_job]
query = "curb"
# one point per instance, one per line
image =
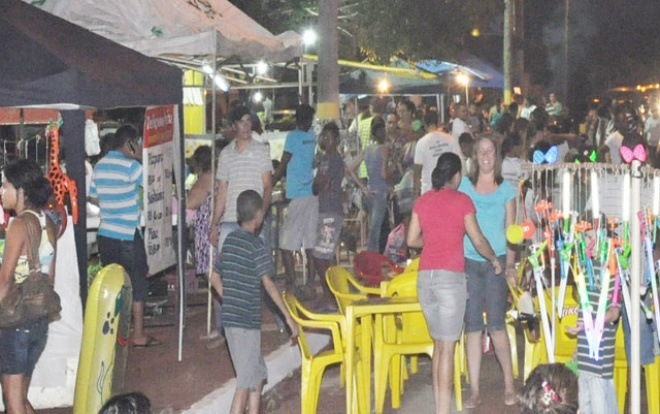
(280, 363)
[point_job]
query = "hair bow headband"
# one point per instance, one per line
(549, 396)
(549, 157)
(637, 153)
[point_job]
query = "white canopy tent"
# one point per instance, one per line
(191, 34)
(180, 30)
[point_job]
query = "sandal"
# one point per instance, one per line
(510, 398)
(214, 343)
(151, 342)
(472, 402)
(214, 334)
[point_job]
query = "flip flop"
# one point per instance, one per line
(151, 342)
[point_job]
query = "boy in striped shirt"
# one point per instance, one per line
(242, 266)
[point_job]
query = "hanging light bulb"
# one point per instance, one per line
(221, 82)
(262, 68)
(206, 68)
(383, 85)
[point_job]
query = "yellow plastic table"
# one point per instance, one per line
(363, 312)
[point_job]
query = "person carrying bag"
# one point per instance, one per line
(35, 296)
(27, 299)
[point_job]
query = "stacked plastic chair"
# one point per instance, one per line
(346, 289)
(313, 366)
(369, 266)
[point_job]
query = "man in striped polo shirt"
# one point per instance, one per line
(114, 189)
(244, 164)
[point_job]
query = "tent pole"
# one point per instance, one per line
(300, 82)
(635, 277)
(209, 298)
(181, 224)
(73, 131)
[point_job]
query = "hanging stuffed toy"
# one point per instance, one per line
(60, 182)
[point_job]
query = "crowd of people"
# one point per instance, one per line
(489, 149)
(401, 158)
(407, 165)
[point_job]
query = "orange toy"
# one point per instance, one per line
(60, 182)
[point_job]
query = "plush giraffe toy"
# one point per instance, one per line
(60, 182)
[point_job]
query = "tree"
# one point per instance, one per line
(424, 29)
(380, 29)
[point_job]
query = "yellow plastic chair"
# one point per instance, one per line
(510, 325)
(621, 370)
(651, 376)
(313, 366)
(400, 335)
(565, 343)
(346, 288)
(412, 266)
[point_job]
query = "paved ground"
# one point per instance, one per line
(174, 386)
(417, 398)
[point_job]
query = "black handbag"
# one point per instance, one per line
(32, 299)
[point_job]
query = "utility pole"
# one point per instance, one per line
(328, 68)
(565, 65)
(506, 55)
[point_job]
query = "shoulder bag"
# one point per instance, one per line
(34, 298)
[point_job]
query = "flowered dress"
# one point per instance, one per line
(202, 226)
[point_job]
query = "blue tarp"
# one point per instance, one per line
(481, 73)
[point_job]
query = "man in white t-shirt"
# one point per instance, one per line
(527, 108)
(652, 133)
(428, 150)
(615, 138)
(460, 125)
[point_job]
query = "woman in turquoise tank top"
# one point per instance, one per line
(494, 200)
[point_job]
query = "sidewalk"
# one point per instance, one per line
(203, 381)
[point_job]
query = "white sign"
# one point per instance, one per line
(157, 163)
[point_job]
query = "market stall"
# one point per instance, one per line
(48, 62)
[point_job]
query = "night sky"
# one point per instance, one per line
(611, 43)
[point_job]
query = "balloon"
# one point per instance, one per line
(529, 229)
(514, 234)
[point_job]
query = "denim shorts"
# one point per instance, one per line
(442, 294)
(245, 351)
(131, 255)
(487, 292)
(20, 348)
